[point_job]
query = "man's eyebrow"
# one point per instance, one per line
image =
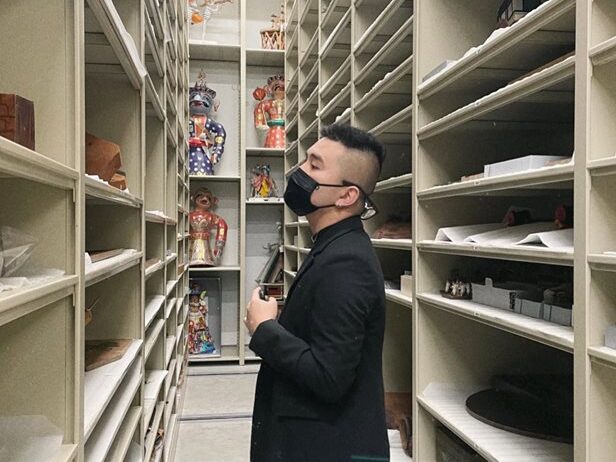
(316, 157)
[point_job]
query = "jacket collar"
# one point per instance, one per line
(326, 235)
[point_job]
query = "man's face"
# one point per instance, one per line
(322, 164)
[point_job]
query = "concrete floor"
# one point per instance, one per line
(215, 423)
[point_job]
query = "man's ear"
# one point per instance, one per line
(349, 196)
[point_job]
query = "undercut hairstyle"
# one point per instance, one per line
(361, 142)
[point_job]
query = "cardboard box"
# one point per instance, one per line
(502, 296)
(529, 308)
(17, 119)
(557, 314)
(518, 165)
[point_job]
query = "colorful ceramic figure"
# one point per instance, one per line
(200, 339)
(206, 135)
(202, 222)
(263, 185)
(270, 113)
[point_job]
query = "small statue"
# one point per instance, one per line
(201, 11)
(263, 185)
(200, 339)
(272, 38)
(457, 289)
(206, 136)
(202, 222)
(269, 113)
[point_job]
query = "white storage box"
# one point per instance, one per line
(521, 164)
(557, 314)
(610, 337)
(406, 284)
(529, 308)
(502, 296)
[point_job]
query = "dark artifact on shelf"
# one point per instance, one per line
(103, 157)
(272, 38)
(563, 216)
(450, 448)
(394, 228)
(89, 311)
(100, 255)
(538, 406)
(17, 119)
(269, 114)
(457, 288)
(516, 217)
(511, 11)
(118, 180)
(102, 352)
(202, 222)
(206, 135)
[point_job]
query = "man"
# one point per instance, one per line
(319, 395)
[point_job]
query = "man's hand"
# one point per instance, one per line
(259, 311)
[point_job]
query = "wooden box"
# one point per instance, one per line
(17, 119)
(102, 157)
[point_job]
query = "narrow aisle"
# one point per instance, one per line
(216, 415)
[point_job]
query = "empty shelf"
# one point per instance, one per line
(446, 403)
(101, 440)
(169, 346)
(152, 336)
(541, 331)
(514, 92)
(204, 50)
(558, 177)
(264, 58)
(402, 181)
(526, 253)
(21, 162)
(125, 434)
(398, 244)
(602, 261)
(603, 355)
(152, 307)
(398, 297)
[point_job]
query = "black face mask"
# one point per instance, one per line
(299, 191)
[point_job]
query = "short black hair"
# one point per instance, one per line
(355, 138)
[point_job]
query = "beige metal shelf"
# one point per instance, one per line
(264, 58)
(21, 162)
(101, 384)
(214, 269)
(309, 15)
(202, 50)
(151, 434)
(100, 271)
(515, 92)
(398, 297)
(525, 253)
(67, 453)
(604, 53)
(220, 178)
(396, 127)
(525, 36)
(101, 440)
(559, 177)
(391, 53)
(334, 39)
(446, 404)
(265, 201)
(395, 244)
(20, 302)
(123, 45)
(339, 7)
(403, 181)
(153, 304)
(265, 152)
(336, 102)
(336, 80)
(153, 269)
(602, 262)
(154, 49)
(125, 434)
(603, 355)
(309, 56)
(538, 330)
(602, 167)
(99, 190)
(152, 337)
(380, 23)
(153, 100)
(388, 86)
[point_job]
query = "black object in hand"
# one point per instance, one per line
(262, 295)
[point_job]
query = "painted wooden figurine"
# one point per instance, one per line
(202, 222)
(206, 135)
(269, 111)
(200, 339)
(263, 185)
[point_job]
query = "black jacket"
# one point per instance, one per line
(319, 395)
